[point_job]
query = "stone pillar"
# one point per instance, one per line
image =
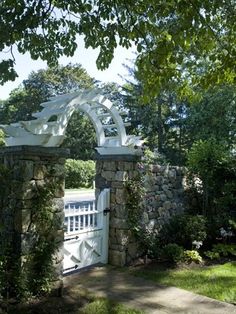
(27, 175)
(112, 171)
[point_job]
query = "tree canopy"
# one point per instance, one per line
(191, 41)
(172, 125)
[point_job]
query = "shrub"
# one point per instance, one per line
(211, 162)
(215, 224)
(192, 256)
(173, 252)
(225, 249)
(2, 141)
(232, 224)
(221, 250)
(79, 173)
(212, 255)
(183, 229)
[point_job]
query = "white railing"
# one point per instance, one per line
(81, 217)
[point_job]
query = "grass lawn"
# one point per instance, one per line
(217, 282)
(104, 306)
(73, 301)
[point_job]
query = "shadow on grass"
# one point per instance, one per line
(217, 282)
(70, 302)
(75, 300)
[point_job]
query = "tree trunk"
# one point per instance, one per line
(160, 132)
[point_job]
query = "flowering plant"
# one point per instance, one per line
(197, 244)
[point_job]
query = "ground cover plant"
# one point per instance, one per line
(215, 281)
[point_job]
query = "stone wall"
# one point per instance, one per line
(163, 198)
(113, 172)
(30, 168)
(164, 193)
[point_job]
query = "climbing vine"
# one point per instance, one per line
(137, 216)
(45, 225)
(29, 273)
(135, 192)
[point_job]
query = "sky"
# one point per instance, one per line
(86, 57)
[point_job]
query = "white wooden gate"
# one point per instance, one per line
(86, 234)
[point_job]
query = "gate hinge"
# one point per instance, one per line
(71, 268)
(105, 211)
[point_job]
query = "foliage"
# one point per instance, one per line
(204, 157)
(33, 275)
(192, 256)
(9, 261)
(212, 178)
(232, 224)
(222, 249)
(173, 252)
(214, 226)
(39, 87)
(210, 162)
(153, 157)
(183, 229)
(46, 224)
(135, 192)
(136, 218)
(212, 255)
(80, 137)
(172, 41)
(2, 141)
(212, 184)
(171, 125)
(213, 117)
(79, 173)
(104, 306)
(160, 121)
(217, 282)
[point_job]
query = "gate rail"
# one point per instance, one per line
(81, 217)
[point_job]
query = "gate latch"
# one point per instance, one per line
(105, 211)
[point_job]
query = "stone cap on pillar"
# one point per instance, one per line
(35, 150)
(119, 151)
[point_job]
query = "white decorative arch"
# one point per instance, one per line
(49, 127)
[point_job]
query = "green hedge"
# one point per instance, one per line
(79, 173)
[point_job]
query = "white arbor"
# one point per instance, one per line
(49, 127)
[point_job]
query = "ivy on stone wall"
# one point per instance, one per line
(152, 198)
(45, 225)
(6, 268)
(136, 190)
(27, 271)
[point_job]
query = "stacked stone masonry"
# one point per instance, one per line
(34, 167)
(163, 198)
(164, 194)
(30, 168)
